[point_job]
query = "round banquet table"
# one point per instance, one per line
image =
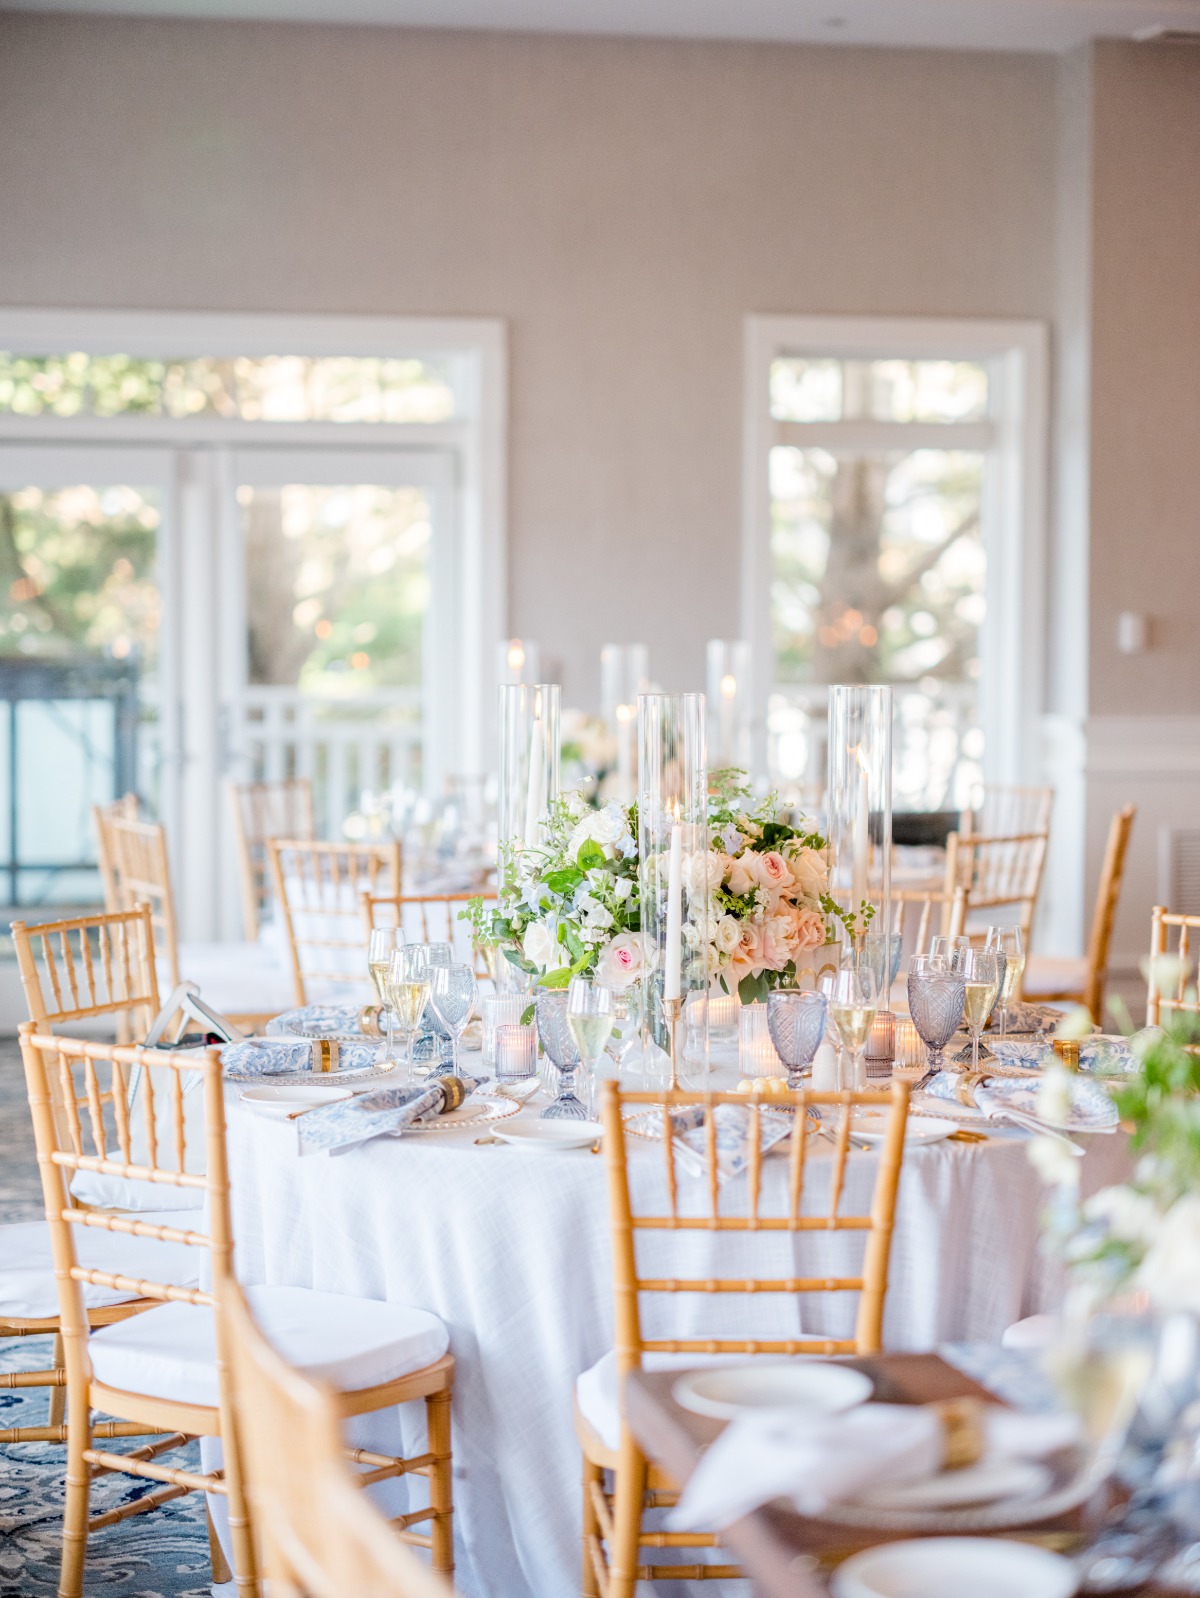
(510, 1247)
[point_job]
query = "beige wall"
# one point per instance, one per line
(621, 204)
(1145, 407)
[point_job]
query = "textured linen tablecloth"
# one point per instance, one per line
(510, 1247)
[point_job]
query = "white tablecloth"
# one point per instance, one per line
(510, 1247)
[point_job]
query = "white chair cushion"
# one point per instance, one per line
(1047, 974)
(170, 1352)
(597, 1392)
(27, 1290)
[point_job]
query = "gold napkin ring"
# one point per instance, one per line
(962, 1428)
(368, 1020)
(325, 1053)
(964, 1088)
(454, 1091)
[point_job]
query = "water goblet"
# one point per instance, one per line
(980, 972)
(935, 1003)
(1010, 943)
(550, 1008)
(853, 1001)
(591, 1011)
(407, 990)
(950, 951)
(452, 993)
(796, 1022)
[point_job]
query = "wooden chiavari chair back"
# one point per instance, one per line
(123, 809)
(999, 874)
(691, 1198)
(319, 888)
(429, 918)
(144, 1092)
(921, 914)
(1175, 934)
(320, 1537)
(998, 811)
(262, 810)
(89, 968)
(143, 876)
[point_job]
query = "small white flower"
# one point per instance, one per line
(1170, 1272)
(593, 912)
(1076, 1024)
(1054, 1163)
(622, 888)
(1054, 1096)
(1128, 1215)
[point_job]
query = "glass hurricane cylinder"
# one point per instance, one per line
(728, 683)
(676, 898)
(623, 678)
(528, 775)
(860, 805)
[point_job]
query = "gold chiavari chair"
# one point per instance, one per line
(90, 968)
(1175, 999)
(999, 874)
(429, 918)
(693, 1203)
(1005, 812)
(164, 1371)
(319, 888)
(123, 809)
(262, 810)
(1066, 981)
(921, 914)
(142, 875)
(319, 1536)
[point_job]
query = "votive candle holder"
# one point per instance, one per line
(757, 1055)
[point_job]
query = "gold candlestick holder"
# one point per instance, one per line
(672, 1010)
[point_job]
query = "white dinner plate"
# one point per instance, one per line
(872, 1127)
(281, 1099)
(472, 1112)
(549, 1135)
(949, 1567)
(730, 1390)
(984, 1483)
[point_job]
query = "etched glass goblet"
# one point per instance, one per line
(936, 996)
(796, 1022)
(550, 1008)
(452, 993)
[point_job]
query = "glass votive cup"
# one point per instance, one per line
(499, 1009)
(908, 1052)
(880, 1051)
(757, 1055)
(516, 1052)
(721, 1012)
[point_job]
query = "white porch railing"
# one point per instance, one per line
(341, 745)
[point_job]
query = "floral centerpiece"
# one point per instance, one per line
(571, 903)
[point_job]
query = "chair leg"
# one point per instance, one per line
(58, 1395)
(593, 1476)
(216, 1554)
(78, 1498)
(441, 1482)
(630, 1484)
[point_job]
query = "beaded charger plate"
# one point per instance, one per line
(475, 1112)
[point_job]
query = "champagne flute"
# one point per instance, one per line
(1011, 944)
(407, 989)
(853, 1001)
(980, 972)
(384, 943)
(590, 1015)
(453, 990)
(950, 951)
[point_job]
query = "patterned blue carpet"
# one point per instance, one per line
(163, 1554)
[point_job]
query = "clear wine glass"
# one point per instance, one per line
(453, 990)
(935, 1003)
(407, 989)
(796, 1022)
(558, 1040)
(853, 1001)
(950, 951)
(1011, 944)
(383, 944)
(882, 951)
(981, 983)
(591, 1011)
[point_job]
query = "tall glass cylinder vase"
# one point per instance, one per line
(529, 764)
(728, 683)
(860, 807)
(676, 898)
(623, 677)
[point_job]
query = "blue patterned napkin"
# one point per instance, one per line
(1102, 1056)
(340, 1021)
(732, 1124)
(383, 1113)
(1091, 1108)
(255, 1057)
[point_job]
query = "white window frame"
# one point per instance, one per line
(1013, 648)
(200, 547)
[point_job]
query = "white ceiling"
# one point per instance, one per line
(1053, 25)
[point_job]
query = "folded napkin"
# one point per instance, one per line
(341, 1022)
(1101, 1055)
(732, 1124)
(816, 1460)
(255, 1057)
(383, 1113)
(1091, 1109)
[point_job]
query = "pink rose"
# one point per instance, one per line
(807, 930)
(776, 941)
(742, 879)
(773, 871)
(621, 962)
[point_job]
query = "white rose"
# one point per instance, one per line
(540, 946)
(728, 934)
(1170, 1272)
(809, 872)
(605, 827)
(702, 871)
